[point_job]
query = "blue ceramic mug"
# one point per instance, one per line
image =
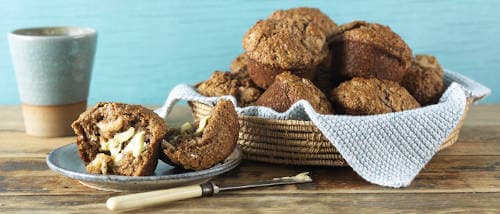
(53, 67)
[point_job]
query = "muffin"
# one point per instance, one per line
(313, 15)
(366, 96)
(248, 91)
(219, 84)
(205, 143)
(236, 84)
(287, 89)
(362, 49)
(424, 79)
(239, 66)
(120, 139)
(324, 79)
(274, 46)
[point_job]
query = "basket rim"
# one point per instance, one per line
(257, 119)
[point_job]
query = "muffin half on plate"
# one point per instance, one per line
(204, 143)
(120, 139)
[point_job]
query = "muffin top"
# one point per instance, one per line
(424, 79)
(375, 34)
(428, 62)
(313, 15)
(239, 65)
(287, 89)
(366, 96)
(219, 84)
(286, 43)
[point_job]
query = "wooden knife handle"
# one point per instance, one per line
(139, 200)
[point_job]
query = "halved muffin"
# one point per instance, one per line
(206, 142)
(121, 139)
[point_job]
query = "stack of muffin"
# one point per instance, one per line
(358, 68)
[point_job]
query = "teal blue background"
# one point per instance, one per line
(147, 47)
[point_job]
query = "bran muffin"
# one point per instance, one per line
(424, 79)
(207, 142)
(324, 79)
(273, 46)
(366, 96)
(121, 139)
(248, 91)
(362, 49)
(314, 15)
(239, 66)
(219, 84)
(236, 84)
(287, 89)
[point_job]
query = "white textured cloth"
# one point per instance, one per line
(386, 149)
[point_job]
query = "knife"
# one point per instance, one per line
(145, 199)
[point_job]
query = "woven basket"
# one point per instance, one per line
(292, 142)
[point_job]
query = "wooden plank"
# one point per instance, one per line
(276, 202)
(21, 176)
(483, 115)
(476, 140)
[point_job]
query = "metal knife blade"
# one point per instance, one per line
(297, 179)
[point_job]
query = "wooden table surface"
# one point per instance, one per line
(465, 177)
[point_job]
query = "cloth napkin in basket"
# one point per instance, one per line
(386, 149)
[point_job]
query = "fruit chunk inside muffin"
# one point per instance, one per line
(206, 142)
(127, 146)
(188, 133)
(115, 138)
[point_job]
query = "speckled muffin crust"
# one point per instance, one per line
(366, 96)
(424, 79)
(248, 91)
(362, 49)
(314, 15)
(220, 83)
(273, 46)
(324, 77)
(237, 84)
(239, 66)
(193, 149)
(287, 89)
(105, 132)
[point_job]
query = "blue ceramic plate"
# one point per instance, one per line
(66, 161)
